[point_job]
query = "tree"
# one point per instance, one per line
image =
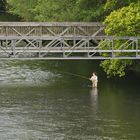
(69, 10)
(112, 5)
(2, 5)
(89, 10)
(123, 22)
(48, 10)
(23, 8)
(66, 10)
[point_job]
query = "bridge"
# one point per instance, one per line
(63, 40)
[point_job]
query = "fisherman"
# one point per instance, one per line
(94, 80)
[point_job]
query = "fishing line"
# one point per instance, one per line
(73, 74)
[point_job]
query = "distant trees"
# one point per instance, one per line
(22, 8)
(48, 10)
(2, 5)
(55, 10)
(65, 10)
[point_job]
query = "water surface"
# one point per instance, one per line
(39, 102)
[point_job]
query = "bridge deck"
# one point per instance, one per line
(63, 40)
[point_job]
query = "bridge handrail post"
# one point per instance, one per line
(112, 46)
(136, 41)
(88, 48)
(61, 43)
(13, 45)
(39, 47)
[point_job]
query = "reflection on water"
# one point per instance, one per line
(94, 100)
(64, 107)
(94, 94)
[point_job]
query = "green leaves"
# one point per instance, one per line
(115, 67)
(23, 8)
(64, 10)
(123, 22)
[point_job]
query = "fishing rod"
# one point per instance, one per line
(73, 74)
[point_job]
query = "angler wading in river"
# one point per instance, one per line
(94, 80)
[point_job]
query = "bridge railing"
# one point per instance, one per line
(51, 29)
(98, 47)
(64, 41)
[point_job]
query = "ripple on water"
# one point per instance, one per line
(24, 75)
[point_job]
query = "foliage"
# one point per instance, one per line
(48, 10)
(123, 22)
(112, 5)
(115, 67)
(2, 5)
(56, 10)
(23, 8)
(65, 10)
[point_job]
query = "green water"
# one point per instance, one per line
(38, 102)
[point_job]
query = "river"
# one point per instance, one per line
(40, 101)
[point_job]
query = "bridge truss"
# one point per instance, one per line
(28, 40)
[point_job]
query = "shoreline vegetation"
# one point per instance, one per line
(121, 18)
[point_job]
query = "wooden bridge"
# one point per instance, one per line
(63, 40)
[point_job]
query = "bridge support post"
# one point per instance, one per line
(13, 45)
(39, 47)
(88, 45)
(112, 44)
(136, 41)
